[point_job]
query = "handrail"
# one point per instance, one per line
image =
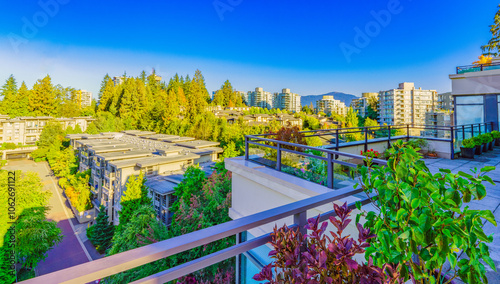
(481, 67)
(120, 262)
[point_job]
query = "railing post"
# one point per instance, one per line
(389, 137)
(452, 143)
(329, 174)
(300, 219)
(479, 124)
(336, 139)
(463, 132)
(472, 130)
(407, 132)
(366, 139)
(278, 157)
(492, 125)
(246, 148)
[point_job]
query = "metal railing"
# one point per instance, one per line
(373, 134)
(107, 266)
(331, 157)
(477, 67)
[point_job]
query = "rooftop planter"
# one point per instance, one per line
(496, 137)
(468, 148)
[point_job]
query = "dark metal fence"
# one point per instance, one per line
(331, 156)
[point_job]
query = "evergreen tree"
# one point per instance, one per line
(134, 196)
(102, 231)
(20, 106)
(493, 46)
(106, 94)
(9, 95)
(42, 100)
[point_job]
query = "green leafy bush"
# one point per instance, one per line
(468, 143)
(495, 134)
(422, 221)
(487, 137)
(477, 140)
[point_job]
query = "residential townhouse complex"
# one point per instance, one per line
(406, 105)
(26, 130)
(114, 157)
(330, 105)
(286, 100)
(360, 105)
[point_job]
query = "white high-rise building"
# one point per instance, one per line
(287, 100)
(330, 105)
(259, 98)
(84, 97)
(360, 105)
(406, 105)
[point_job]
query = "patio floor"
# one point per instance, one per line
(490, 202)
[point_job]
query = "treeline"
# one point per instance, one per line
(43, 99)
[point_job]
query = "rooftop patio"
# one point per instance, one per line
(296, 212)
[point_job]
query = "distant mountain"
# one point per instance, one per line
(346, 98)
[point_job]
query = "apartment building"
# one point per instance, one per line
(26, 130)
(360, 105)
(445, 101)
(330, 105)
(406, 105)
(260, 98)
(442, 118)
(84, 98)
(287, 100)
(114, 157)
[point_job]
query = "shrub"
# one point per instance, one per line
(468, 143)
(423, 215)
(477, 140)
(317, 258)
(370, 153)
(487, 137)
(418, 143)
(495, 134)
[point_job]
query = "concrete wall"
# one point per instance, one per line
(256, 188)
(484, 82)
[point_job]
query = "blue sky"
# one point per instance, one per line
(312, 47)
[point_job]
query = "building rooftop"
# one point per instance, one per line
(153, 161)
(160, 184)
(197, 144)
(208, 150)
(178, 139)
(113, 148)
(111, 156)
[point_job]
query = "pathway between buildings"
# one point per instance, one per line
(72, 250)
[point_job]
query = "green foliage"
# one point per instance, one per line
(425, 215)
(495, 134)
(227, 96)
(8, 146)
(35, 234)
(135, 196)
(419, 143)
(468, 143)
(493, 46)
(486, 137)
(101, 233)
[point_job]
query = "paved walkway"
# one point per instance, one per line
(490, 202)
(71, 251)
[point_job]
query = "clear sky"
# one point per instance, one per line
(312, 47)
